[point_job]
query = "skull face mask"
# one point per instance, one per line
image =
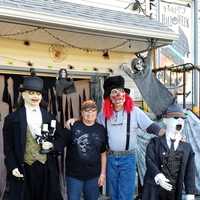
(137, 65)
(174, 127)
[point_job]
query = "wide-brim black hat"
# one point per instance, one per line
(174, 110)
(112, 83)
(32, 83)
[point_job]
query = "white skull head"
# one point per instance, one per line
(137, 65)
(174, 127)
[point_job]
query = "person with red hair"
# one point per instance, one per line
(122, 118)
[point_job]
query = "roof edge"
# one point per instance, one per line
(39, 19)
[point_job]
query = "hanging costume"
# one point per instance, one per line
(64, 85)
(155, 94)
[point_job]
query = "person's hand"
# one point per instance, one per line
(161, 180)
(101, 180)
(16, 173)
(189, 197)
(47, 145)
(70, 122)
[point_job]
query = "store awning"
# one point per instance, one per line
(80, 26)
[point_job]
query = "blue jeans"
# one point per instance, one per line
(121, 171)
(89, 188)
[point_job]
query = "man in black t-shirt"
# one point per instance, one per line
(86, 154)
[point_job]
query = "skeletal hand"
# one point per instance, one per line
(161, 180)
(16, 173)
(47, 145)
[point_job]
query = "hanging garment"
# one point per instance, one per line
(71, 113)
(155, 94)
(6, 95)
(65, 86)
(66, 110)
(53, 101)
(79, 101)
(17, 81)
(84, 95)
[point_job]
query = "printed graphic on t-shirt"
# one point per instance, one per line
(87, 143)
(83, 143)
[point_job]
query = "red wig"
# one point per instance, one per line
(108, 106)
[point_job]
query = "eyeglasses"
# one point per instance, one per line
(34, 92)
(90, 110)
(116, 90)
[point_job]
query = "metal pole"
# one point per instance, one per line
(192, 88)
(199, 93)
(195, 73)
(184, 87)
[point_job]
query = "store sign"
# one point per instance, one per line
(178, 18)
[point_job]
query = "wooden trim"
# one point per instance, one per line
(48, 72)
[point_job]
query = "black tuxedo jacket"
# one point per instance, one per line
(14, 135)
(156, 149)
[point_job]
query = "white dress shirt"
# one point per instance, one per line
(34, 119)
(176, 143)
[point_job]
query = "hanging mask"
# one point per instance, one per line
(117, 96)
(137, 65)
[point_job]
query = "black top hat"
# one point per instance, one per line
(32, 83)
(114, 82)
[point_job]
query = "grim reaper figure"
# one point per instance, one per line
(155, 94)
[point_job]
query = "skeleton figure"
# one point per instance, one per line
(170, 162)
(155, 94)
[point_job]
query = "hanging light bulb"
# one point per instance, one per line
(129, 45)
(26, 43)
(95, 69)
(70, 67)
(29, 63)
(110, 70)
(106, 54)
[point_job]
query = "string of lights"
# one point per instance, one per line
(64, 42)
(85, 49)
(21, 32)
